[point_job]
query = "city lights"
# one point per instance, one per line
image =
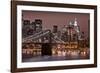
(70, 42)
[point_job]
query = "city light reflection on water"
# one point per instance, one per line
(57, 55)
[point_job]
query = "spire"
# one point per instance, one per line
(70, 23)
(75, 22)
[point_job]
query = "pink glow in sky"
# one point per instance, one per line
(57, 18)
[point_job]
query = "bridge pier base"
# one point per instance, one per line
(46, 49)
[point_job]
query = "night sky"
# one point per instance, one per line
(57, 18)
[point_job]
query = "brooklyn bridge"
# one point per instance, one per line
(39, 44)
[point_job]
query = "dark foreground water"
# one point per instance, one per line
(55, 58)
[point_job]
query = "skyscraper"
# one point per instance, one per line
(38, 23)
(55, 28)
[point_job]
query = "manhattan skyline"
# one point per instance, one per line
(60, 19)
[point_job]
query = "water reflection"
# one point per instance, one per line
(58, 55)
(59, 52)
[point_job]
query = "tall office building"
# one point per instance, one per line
(38, 24)
(73, 31)
(33, 25)
(25, 27)
(26, 22)
(55, 28)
